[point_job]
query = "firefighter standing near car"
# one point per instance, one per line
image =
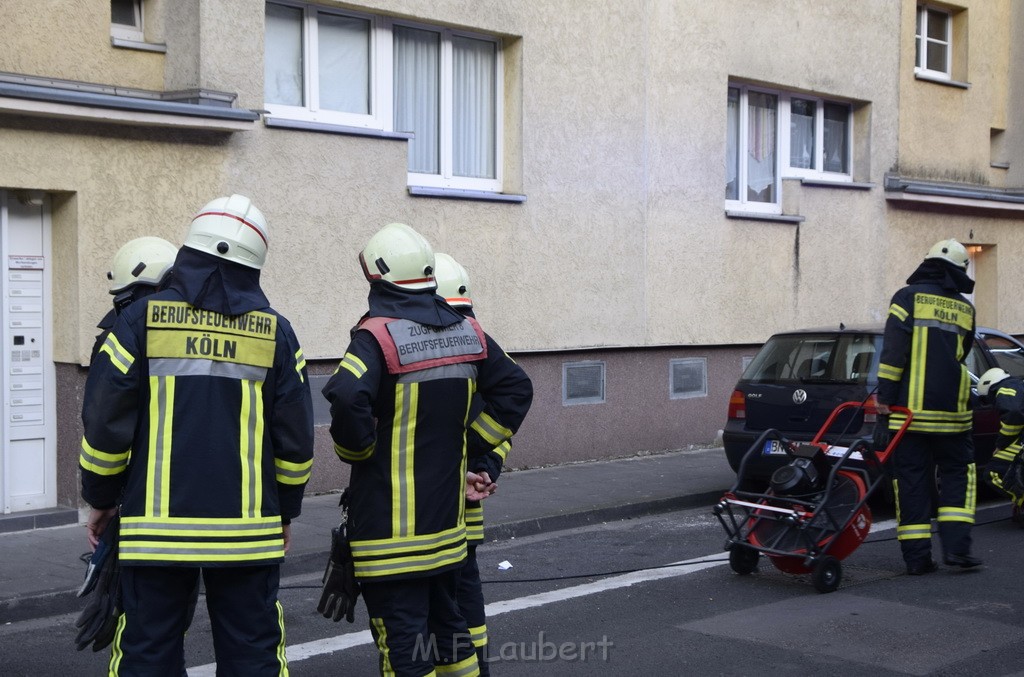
(485, 468)
(928, 335)
(400, 406)
(198, 421)
(1006, 393)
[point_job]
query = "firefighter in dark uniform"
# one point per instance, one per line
(400, 406)
(928, 335)
(199, 430)
(1006, 393)
(453, 285)
(140, 267)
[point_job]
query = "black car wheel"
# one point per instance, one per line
(827, 574)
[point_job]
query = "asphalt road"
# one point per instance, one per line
(656, 596)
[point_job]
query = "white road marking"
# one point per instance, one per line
(298, 652)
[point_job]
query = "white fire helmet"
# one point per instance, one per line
(231, 228)
(401, 256)
(950, 251)
(991, 378)
(144, 260)
(452, 281)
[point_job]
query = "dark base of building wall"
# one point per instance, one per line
(38, 519)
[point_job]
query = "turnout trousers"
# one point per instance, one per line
(246, 620)
(470, 594)
(915, 462)
(417, 627)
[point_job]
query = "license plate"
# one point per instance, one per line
(773, 448)
(838, 452)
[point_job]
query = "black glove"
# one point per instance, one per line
(881, 436)
(98, 621)
(340, 587)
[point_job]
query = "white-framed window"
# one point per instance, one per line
(773, 133)
(347, 68)
(583, 382)
(687, 377)
(934, 41)
(126, 20)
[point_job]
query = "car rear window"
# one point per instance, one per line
(813, 357)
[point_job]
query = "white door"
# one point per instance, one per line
(28, 449)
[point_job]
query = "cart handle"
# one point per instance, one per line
(883, 455)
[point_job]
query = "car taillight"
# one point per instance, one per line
(871, 409)
(737, 405)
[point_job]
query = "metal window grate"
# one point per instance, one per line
(583, 382)
(688, 378)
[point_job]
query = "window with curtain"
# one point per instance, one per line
(933, 41)
(440, 85)
(811, 136)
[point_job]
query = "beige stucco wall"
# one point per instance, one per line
(945, 130)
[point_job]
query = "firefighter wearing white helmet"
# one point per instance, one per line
(139, 268)
(231, 228)
(929, 332)
(452, 282)
(485, 469)
(1004, 471)
(404, 391)
(950, 251)
(399, 255)
(187, 377)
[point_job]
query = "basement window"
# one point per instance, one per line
(583, 383)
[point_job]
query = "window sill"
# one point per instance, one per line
(141, 46)
(999, 165)
(459, 194)
(329, 128)
(824, 183)
(942, 81)
(763, 216)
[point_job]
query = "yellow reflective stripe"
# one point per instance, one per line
(392, 546)
(909, 532)
(919, 354)
(403, 446)
(352, 364)
(115, 649)
(251, 447)
(293, 473)
(158, 460)
(503, 449)
(1003, 390)
(478, 635)
(300, 364)
(282, 658)
(200, 551)
(410, 563)
(488, 428)
(889, 372)
(1010, 430)
(119, 357)
(898, 312)
(209, 527)
(352, 456)
(102, 462)
(381, 637)
(467, 667)
(1006, 454)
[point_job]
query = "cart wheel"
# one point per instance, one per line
(743, 560)
(827, 574)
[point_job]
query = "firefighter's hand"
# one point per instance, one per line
(478, 486)
(98, 521)
(883, 409)
(340, 590)
(881, 436)
(286, 531)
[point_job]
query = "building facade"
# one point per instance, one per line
(642, 192)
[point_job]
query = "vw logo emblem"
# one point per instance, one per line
(799, 396)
